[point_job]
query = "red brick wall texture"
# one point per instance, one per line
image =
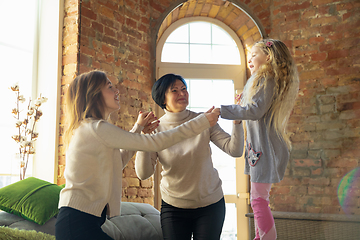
(119, 37)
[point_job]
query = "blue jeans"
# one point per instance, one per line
(203, 223)
(74, 224)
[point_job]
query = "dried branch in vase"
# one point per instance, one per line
(26, 127)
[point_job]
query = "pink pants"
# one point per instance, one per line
(263, 218)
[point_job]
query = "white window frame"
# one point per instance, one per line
(49, 72)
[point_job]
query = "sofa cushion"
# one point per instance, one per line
(32, 198)
(13, 221)
(138, 220)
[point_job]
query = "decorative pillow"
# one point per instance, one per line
(32, 198)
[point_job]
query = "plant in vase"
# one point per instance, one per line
(26, 127)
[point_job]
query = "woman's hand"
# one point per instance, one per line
(148, 120)
(212, 115)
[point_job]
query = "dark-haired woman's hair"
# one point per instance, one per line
(161, 86)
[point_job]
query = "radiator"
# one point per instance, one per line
(312, 226)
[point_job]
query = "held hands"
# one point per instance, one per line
(148, 121)
(212, 115)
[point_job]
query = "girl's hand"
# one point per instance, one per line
(212, 115)
(148, 121)
(216, 110)
(237, 101)
(238, 98)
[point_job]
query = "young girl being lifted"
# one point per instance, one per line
(265, 106)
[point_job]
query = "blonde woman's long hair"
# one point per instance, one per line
(84, 100)
(280, 67)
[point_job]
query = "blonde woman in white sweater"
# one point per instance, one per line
(95, 156)
(191, 191)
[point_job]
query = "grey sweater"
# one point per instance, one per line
(266, 154)
(189, 179)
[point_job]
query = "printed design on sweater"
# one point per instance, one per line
(253, 156)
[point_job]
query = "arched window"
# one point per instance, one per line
(200, 47)
(200, 42)
(211, 58)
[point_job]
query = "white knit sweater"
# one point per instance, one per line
(189, 179)
(94, 163)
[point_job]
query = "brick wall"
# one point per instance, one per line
(70, 65)
(323, 37)
(117, 36)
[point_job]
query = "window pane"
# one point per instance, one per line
(5, 180)
(175, 52)
(8, 59)
(200, 53)
(224, 91)
(209, 44)
(179, 35)
(230, 225)
(225, 54)
(225, 164)
(14, 30)
(220, 36)
(16, 44)
(204, 94)
(197, 90)
(200, 32)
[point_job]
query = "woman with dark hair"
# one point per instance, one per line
(192, 197)
(95, 154)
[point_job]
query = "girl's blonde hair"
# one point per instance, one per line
(84, 100)
(280, 67)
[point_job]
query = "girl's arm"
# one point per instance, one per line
(231, 144)
(145, 163)
(254, 111)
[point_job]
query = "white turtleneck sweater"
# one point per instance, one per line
(189, 179)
